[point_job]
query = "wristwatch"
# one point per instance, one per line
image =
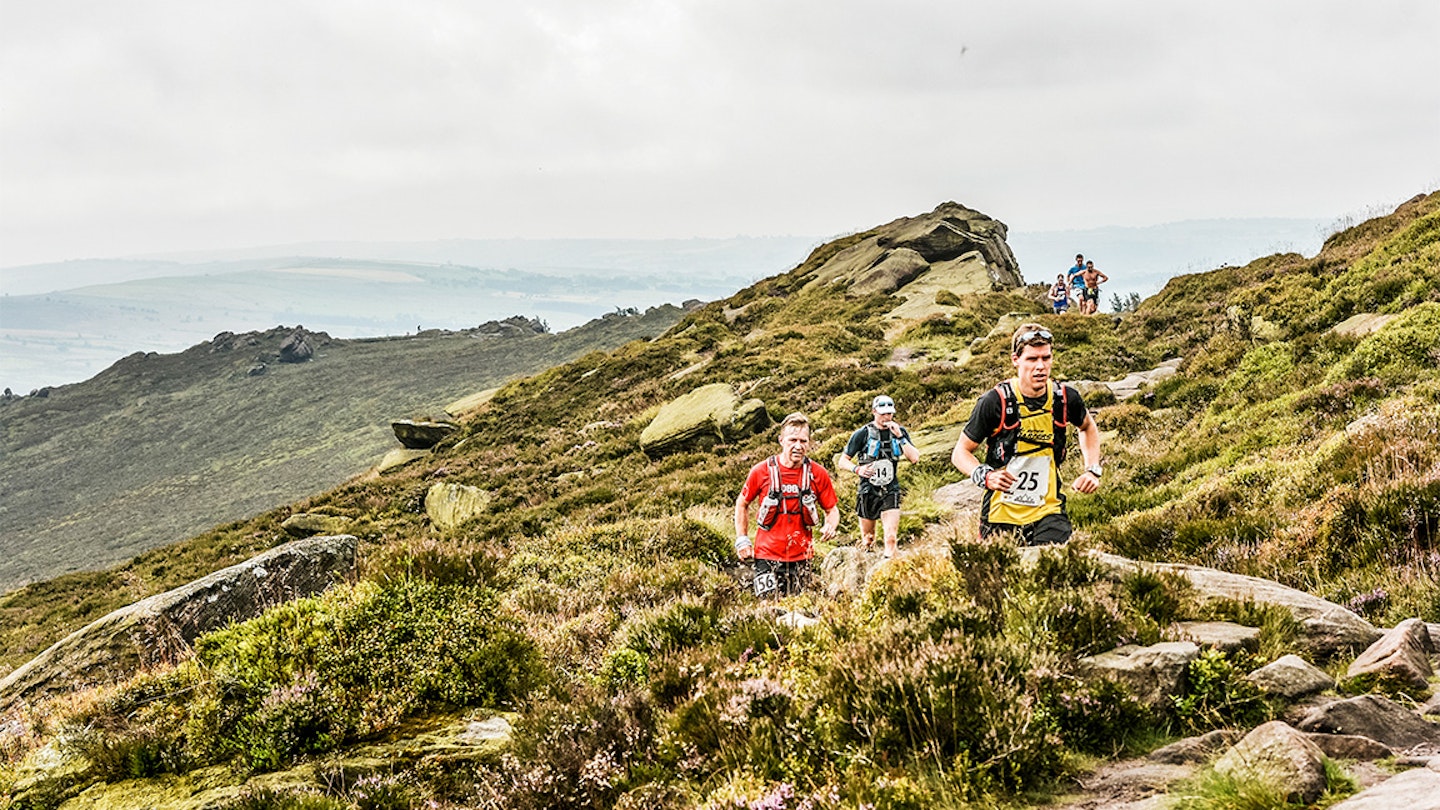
(1095, 470)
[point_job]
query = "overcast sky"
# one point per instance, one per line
(140, 127)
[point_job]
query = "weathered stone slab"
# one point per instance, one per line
(1291, 677)
(1195, 749)
(1361, 325)
(1329, 628)
(1401, 657)
(706, 415)
(307, 524)
(1375, 717)
(1152, 674)
(1223, 636)
(1350, 746)
(160, 629)
(1278, 755)
(1131, 384)
(1412, 790)
(421, 435)
(450, 505)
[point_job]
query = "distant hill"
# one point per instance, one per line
(64, 322)
(161, 446)
(66, 336)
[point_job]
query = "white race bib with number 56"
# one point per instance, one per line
(1032, 480)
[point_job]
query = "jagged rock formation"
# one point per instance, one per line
(298, 347)
(514, 326)
(1401, 657)
(894, 254)
(161, 628)
(709, 414)
(953, 249)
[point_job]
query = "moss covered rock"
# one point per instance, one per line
(450, 505)
(709, 414)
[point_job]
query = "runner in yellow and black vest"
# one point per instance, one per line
(1023, 422)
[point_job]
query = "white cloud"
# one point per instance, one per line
(149, 126)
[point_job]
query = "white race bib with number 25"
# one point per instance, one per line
(1032, 480)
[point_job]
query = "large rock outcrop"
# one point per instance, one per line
(709, 414)
(161, 628)
(953, 249)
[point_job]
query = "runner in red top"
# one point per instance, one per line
(783, 544)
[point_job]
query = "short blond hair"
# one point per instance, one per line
(796, 419)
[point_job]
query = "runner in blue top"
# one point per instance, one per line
(1072, 276)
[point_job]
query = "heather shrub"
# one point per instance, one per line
(986, 566)
(903, 695)
(1217, 693)
(312, 674)
(1161, 596)
(678, 626)
(1094, 716)
(580, 750)
(1127, 419)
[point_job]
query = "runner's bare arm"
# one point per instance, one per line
(742, 528)
(1090, 452)
(963, 457)
(832, 523)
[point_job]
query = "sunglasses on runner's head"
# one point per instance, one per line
(1024, 338)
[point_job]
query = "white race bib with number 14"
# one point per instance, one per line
(1032, 480)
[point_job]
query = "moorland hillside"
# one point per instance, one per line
(591, 638)
(159, 447)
